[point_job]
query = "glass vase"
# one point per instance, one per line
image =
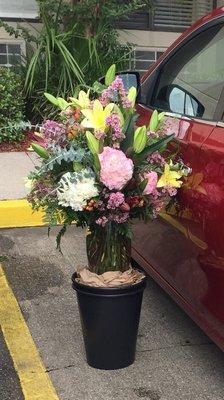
(107, 249)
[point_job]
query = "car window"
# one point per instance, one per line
(191, 81)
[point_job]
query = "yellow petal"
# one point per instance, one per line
(161, 182)
(175, 175)
(84, 99)
(97, 106)
(87, 123)
(109, 108)
(87, 113)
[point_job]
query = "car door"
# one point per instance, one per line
(188, 84)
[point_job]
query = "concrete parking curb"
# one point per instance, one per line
(18, 214)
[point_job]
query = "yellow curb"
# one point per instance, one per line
(35, 382)
(18, 214)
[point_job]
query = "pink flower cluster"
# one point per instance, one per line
(114, 122)
(169, 126)
(157, 206)
(156, 158)
(152, 182)
(102, 221)
(116, 168)
(115, 200)
(119, 218)
(116, 87)
(99, 135)
(170, 191)
(54, 133)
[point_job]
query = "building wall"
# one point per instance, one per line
(5, 38)
(148, 44)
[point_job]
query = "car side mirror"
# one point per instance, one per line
(129, 78)
(183, 102)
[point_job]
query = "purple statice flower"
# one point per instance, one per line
(157, 207)
(101, 205)
(54, 133)
(155, 194)
(126, 103)
(114, 122)
(40, 190)
(169, 126)
(120, 218)
(171, 191)
(152, 135)
(102, 221)
(115, 200)
(116, 88)
(156, 158)
(99, 135)
(105, 97)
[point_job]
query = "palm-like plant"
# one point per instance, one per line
(76, 44)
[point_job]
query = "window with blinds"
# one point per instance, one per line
(174, 15)
(179, 14)
(18, 9)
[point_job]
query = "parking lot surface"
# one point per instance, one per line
(174, 360)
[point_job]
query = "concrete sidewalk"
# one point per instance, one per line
(175, 360)
(14, 168)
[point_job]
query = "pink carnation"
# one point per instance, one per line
(115, 200)
(116, 168)
(152, 182)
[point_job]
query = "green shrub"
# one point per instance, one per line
(76, 44)
(11, 106)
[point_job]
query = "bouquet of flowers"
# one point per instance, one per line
(101, 171)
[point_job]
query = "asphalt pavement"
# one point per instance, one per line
(9, 382)
(175, 360)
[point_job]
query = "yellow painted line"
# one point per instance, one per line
(18, 213)
(34, 381)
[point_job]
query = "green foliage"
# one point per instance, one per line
(11, 106)
(77, 43)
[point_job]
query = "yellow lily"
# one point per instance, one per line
(83, 100)
(169, 178)
(96, 118)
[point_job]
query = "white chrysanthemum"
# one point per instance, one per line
(76, 188)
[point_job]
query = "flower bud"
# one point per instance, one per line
(153, 124)
(125, 207)
(140, 139)
(52, 99)
(62, 103)
(41, 151)
(132, 94)
(93, 143)
(110, 75)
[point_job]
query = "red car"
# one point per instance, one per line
(184, 251)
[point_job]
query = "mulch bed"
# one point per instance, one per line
(19, 146)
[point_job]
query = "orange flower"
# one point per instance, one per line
(77, 114)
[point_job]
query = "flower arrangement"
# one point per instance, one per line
(101, 171)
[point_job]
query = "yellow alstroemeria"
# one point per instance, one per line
(83, 100)
(170, 178)
(96, 117)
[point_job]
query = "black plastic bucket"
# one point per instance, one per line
(110, 319)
